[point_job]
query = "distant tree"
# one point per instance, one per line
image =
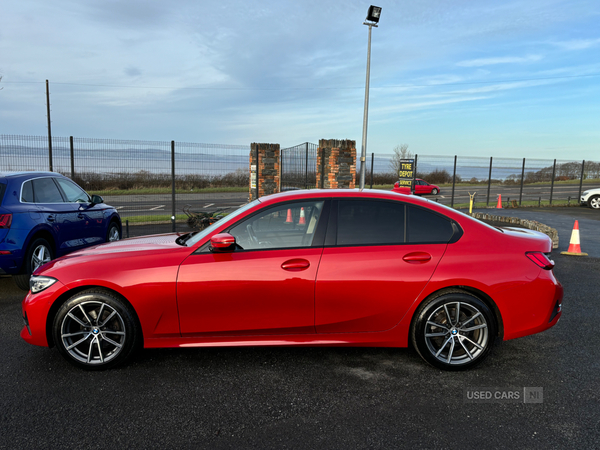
(400, 152)
(1, 80)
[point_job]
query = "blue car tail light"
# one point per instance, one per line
(5, 220)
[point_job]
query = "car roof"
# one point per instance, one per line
(339, 193)
(28, 174)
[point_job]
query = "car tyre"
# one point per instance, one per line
(434, 191)
(114, 233)
(39, 253)
(454, 331)
(594, 202)
(96, 330)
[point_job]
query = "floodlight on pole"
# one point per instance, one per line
(372, 19)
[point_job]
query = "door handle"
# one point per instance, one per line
(295, 265)
(417, 258)
(80, 216)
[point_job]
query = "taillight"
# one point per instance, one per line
(5, 220)
(541, 259)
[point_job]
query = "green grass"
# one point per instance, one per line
(168, 191)
(158, 218)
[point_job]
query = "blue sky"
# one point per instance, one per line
(473, 78)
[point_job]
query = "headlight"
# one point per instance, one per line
(39, 283)
(585, 193)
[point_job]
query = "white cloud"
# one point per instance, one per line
(578, 44)
(499, 60)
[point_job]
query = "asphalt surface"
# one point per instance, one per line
(310, 397)
(161, 204)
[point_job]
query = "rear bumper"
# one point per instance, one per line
(549, 301)
(10, 264)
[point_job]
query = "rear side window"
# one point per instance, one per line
(364, 222)
(427, 227)
(27, 192)
(46, 191)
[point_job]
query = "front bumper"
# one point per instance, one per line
(35, 310)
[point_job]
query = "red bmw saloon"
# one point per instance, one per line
(304, 268)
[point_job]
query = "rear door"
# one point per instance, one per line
(378, 258)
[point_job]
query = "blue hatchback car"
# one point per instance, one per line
(44, 215)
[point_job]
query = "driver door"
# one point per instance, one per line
(266, 285)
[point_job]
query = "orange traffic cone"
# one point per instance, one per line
(499, 206)
(302, 220)
(289, 217)
(574, 246)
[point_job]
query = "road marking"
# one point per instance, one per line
(157, 207)
(206, 206)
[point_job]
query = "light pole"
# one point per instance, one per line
(371, 21)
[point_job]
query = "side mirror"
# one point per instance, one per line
(222, 242)
(96, 200)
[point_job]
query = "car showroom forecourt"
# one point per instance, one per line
(318, 267)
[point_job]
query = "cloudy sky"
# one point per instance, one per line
(469, 77)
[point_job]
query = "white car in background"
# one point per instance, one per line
(591, 198)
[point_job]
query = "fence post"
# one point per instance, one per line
(72, 157)
(173, 186)
(581, 180)
(453, 181)
(49, 127)
(489, 183)
(306, 165)
(522, 179)
(372, 161)
(552, 184)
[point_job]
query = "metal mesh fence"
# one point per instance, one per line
(298, 167)
(516, 181)
(150, 182)
(136, 176)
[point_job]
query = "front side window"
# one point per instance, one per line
(46, 191)
(73, 192)
(291, 225)
(368, 222)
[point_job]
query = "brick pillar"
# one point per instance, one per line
(336, 164)
(265, 170)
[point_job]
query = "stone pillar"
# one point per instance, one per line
(336, 164)
(264, 170)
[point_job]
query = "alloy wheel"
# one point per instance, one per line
(456, 333)
(93, 332)
(40, 256)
